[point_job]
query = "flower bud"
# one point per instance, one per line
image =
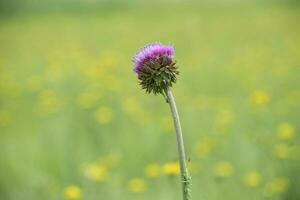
(155, 67)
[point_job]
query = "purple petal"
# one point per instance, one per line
(149, 52)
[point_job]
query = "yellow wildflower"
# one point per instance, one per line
(260, 98)
(252, 179)
(277, 186)
(171, 169)
(96, 172)
(286, 131)
(104, 115)
(137, 185)
(72, 192)
(152, 170)
(224, 169)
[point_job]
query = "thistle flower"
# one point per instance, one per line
(156, 70)
(155, 67)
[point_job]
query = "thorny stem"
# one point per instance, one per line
(185, 177)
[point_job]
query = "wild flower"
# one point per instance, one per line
(95, 172)
(72, 192)
(156, 70)
(252, 179)
(155, 67)
(137, 185)
(153, 170)
(286, 132)
(260, 98)
(276, 186)
(171, 169)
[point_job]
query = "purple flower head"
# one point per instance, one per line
(150, 52)
(155, 67)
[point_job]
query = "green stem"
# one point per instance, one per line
(185, 177)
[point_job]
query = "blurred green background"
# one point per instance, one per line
(74, 123)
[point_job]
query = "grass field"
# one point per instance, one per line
(74, 123)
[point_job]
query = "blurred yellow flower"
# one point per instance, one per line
(260, 98)
(88, 99)
(96, 172)
(252, 179)
(152, 170)
(224, 169)
(5, 118)
(72, 192)
(104, 115)
(137, 185)
(171, 169)
(277, 186)
(286, 131)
